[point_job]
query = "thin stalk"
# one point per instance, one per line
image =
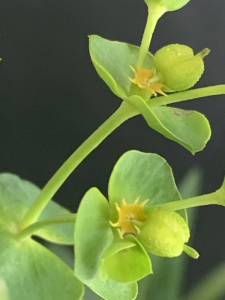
(188, 95)
(123, 113)
(31, 229)
(217, 197)
(154, 13)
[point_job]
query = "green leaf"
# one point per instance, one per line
(188, 128)
(168, 5)
(144, 175)
(116, 246)
(93, 235)
(112, 61)
(16, 197)
(30, 271)
(126, 260)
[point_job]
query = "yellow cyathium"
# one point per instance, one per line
(127, 214)
(145, 79)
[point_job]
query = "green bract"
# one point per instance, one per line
(105, 261)
(29, 270)
(112, 61)
(125, 260)
(178, 66)
(16, 197)
(93, 235)
(169, 5)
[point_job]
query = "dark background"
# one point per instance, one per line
(52, 99)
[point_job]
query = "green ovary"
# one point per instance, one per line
(164, 233)
(179, 67)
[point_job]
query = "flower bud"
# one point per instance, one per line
(179, 67)
(169, 5)
(164, 233)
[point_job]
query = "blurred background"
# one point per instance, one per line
(51, 99)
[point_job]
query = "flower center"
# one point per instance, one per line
(145, 79)
(128, 213)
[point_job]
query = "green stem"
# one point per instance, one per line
(154, 13)
(217, 197)
(123, 113)
(30, 230)
(188, 95)
(212, 287)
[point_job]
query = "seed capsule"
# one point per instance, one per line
(164, 233)
(179, 67)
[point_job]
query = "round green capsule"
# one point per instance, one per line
(164, 233)
(179, 67)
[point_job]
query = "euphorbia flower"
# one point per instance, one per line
(161, 231)
(112, 60)
(145, 79)
(120, 232)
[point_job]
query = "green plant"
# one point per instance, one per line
(114, 239)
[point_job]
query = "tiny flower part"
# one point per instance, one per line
(145, 79)
(128, 213)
